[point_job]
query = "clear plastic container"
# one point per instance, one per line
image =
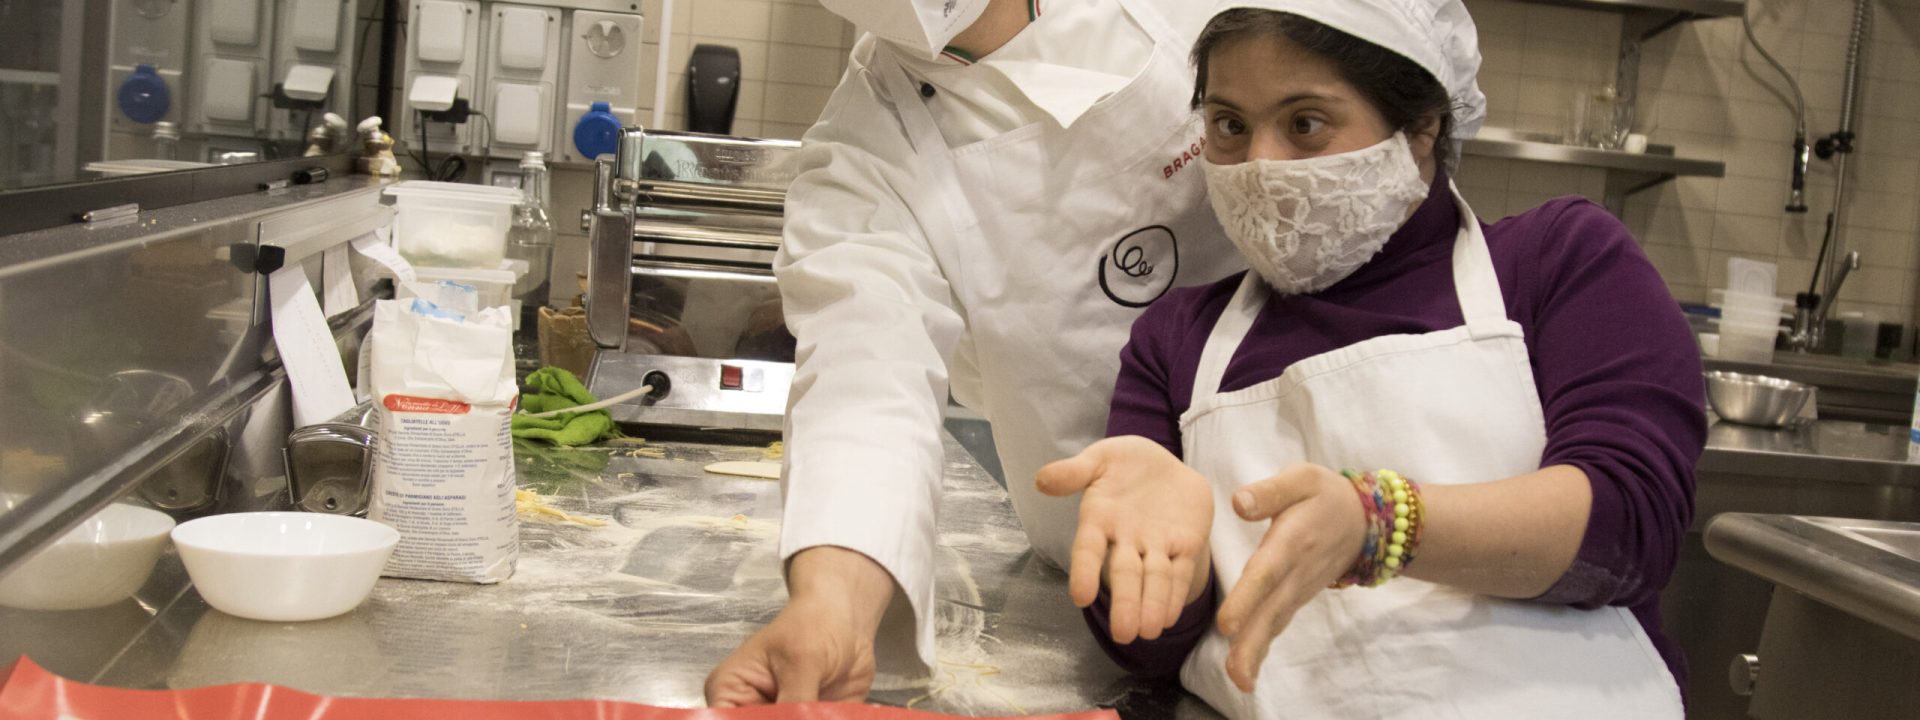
(1860, 336)
(452, 225)
(1748, 320)
(1746, 343)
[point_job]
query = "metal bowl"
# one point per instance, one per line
(1756, 400)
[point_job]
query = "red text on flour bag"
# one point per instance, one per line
(436, 406)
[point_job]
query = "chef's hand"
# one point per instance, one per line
(1317, 531)
(821, 646)
(1144, 520)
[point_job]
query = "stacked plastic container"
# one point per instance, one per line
(1750, 313)
(457, 232)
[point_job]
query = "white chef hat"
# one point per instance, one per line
(1437, 35)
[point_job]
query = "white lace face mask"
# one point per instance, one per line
(1307, 224)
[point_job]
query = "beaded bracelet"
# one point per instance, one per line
(1394, 522)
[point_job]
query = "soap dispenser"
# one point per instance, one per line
(713, 89)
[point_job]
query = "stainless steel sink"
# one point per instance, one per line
(1842, 635)
(1901, 539)
(1868, 568)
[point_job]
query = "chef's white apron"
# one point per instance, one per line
(1059, 238)
(1456, 406)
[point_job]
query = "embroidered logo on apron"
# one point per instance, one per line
(1141, 266)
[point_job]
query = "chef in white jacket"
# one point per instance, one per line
(992, 195)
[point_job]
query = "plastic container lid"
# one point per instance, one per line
(598, 132)
(432, 188)
(144, 96)
(1736, 297)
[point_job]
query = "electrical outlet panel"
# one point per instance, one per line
(148, 56)
(522, 78)
(443, 66)
(312, 65)
(232, 46)
(607, 81)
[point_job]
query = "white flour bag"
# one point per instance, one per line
(443, 476)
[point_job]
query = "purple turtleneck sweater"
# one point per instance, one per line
(1616, 366)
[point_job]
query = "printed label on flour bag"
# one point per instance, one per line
(443, 475)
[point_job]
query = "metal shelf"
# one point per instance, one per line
(1643, 20)
(1652, 161)
(1693, 8)
(1627, 173)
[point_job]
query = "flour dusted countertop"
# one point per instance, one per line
(638, 609)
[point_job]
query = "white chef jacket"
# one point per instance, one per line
(876, 320)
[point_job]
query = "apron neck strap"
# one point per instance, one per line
(1474, 281)
(1227, 333)
(929, 146)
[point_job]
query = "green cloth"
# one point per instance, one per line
(557, 389)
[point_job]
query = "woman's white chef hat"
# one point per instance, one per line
(1437, 35)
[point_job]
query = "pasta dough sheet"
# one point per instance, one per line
(762, 470)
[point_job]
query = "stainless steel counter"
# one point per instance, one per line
(1831, 468)
(1827, 451)
(639, 610)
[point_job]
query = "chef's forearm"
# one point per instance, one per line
(838, 577)
(1510, 538)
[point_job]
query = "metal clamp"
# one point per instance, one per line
(330, 468)
(288, 239)
(610, 247)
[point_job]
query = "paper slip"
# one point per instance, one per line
(319, 380)
(379, 251)
(336, 285)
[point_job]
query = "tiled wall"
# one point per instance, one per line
(792, 53)
(1705, 91)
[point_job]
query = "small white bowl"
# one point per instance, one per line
(284, 566)
(101, 562)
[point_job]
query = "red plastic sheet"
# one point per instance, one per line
(29, 692)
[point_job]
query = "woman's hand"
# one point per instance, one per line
(1317, 531)
(1144, 520)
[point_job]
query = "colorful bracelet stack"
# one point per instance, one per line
(1394, 522)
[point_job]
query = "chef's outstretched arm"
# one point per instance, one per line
(872, 314)
(821, 646)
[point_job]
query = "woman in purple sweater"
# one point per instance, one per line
(1526, 396)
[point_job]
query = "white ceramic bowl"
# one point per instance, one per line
(284, 567)
(101, 562)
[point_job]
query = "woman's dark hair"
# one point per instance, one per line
(1402, 91)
